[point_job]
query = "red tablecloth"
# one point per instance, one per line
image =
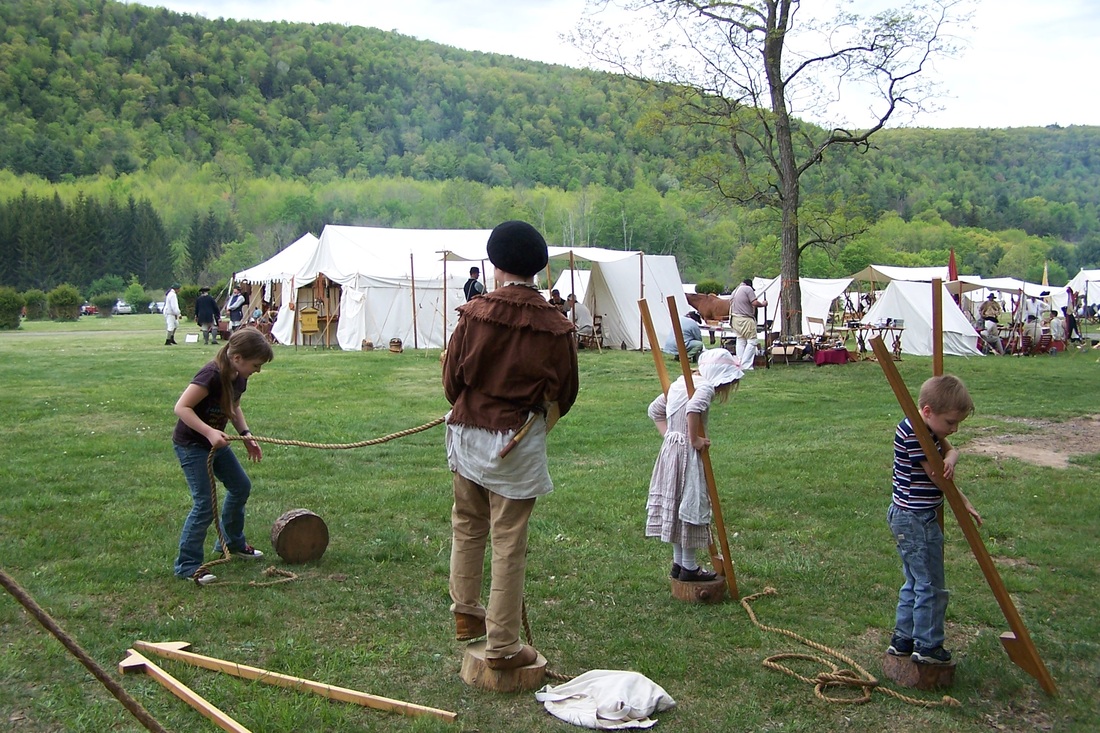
(831, 356)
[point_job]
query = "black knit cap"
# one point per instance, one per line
(518, 248)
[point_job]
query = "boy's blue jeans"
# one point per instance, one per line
(237, 485)
(922, 600)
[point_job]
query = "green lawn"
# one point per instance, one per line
(92, 500)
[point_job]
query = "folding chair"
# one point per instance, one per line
(593, 340)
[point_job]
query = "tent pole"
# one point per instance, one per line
(412, 281)
(445, 253)
(641, 296)
(573, 286)
(937, 327)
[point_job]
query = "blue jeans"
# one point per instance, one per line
(922, 600)
(237, 485)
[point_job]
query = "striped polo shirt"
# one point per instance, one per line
(912, 487)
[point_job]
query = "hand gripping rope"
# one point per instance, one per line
(272, 570)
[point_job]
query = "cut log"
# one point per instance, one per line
(476, 673)
(704, 591)
(299, 536)
(907, 673)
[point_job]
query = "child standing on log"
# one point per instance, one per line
(678, 510)
(944, 403)
(211, 401)
(512, 356)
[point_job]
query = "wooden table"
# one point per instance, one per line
(890, 335)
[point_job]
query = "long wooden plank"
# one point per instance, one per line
(708, 469)
(135, 662)
(175, 650)
(1021, 650)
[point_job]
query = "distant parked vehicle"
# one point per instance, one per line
(156, 306)
(88, 310)
(122, 308)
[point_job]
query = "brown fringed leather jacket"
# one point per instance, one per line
(511, 352)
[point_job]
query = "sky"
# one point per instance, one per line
(1025, 64)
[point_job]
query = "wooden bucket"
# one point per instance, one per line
(299, 536)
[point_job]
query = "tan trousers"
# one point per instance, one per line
(477, 515)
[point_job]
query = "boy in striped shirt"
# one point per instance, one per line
(922, 601)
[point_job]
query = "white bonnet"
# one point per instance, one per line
(719, 366)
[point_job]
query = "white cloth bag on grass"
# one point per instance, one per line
(606, 699)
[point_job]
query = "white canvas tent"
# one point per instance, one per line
(1038, 298)
(572, 281)
(883, 274)
(1087, 282)
(392, 282)
(912, 303)
(406, 283)
(285, 264)
(614, 283)
(818, 295)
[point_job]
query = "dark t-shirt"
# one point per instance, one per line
(209, 408)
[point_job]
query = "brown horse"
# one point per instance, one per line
(710, 306)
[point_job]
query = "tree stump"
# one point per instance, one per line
(476, 673)
(907, 673)
(705, 591)
(299, 536)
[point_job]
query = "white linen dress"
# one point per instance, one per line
(678, 509)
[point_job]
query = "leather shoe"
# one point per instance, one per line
(525, 656)
(468, 627)
(696, 575)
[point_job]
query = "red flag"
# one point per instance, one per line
(952, 268)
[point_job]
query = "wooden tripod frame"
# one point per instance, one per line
(722, 560)
(1016, 642)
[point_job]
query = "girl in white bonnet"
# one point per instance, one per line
(678, 510)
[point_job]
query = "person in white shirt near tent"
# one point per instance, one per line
(743, 307)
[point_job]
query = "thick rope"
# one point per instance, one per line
(287, 576)
(837, 677)
(135, 708)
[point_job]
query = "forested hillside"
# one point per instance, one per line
(268, 130)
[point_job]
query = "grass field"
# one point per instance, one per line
(92, 500)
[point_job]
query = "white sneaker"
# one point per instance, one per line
(206, 579)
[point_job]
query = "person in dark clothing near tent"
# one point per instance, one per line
(473, 286)
(206, 315)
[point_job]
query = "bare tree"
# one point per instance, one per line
(740, 72)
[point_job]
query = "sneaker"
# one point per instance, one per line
(939, 655)
(206, 579)
(248, 552)
(900, 647)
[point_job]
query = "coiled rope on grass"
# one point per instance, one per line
(285, 575)
(856, 677)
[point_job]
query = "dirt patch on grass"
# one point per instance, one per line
(1040, 442)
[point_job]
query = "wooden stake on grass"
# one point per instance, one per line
(175, 650)
(135, 662)
(1016, 642)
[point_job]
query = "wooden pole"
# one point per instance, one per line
(175, 650)
(444, 300)
(135, 662)
(708, 469)
(641, 294)
(937, 327)
(1016, 642)
(658, 359)
(412, 281)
